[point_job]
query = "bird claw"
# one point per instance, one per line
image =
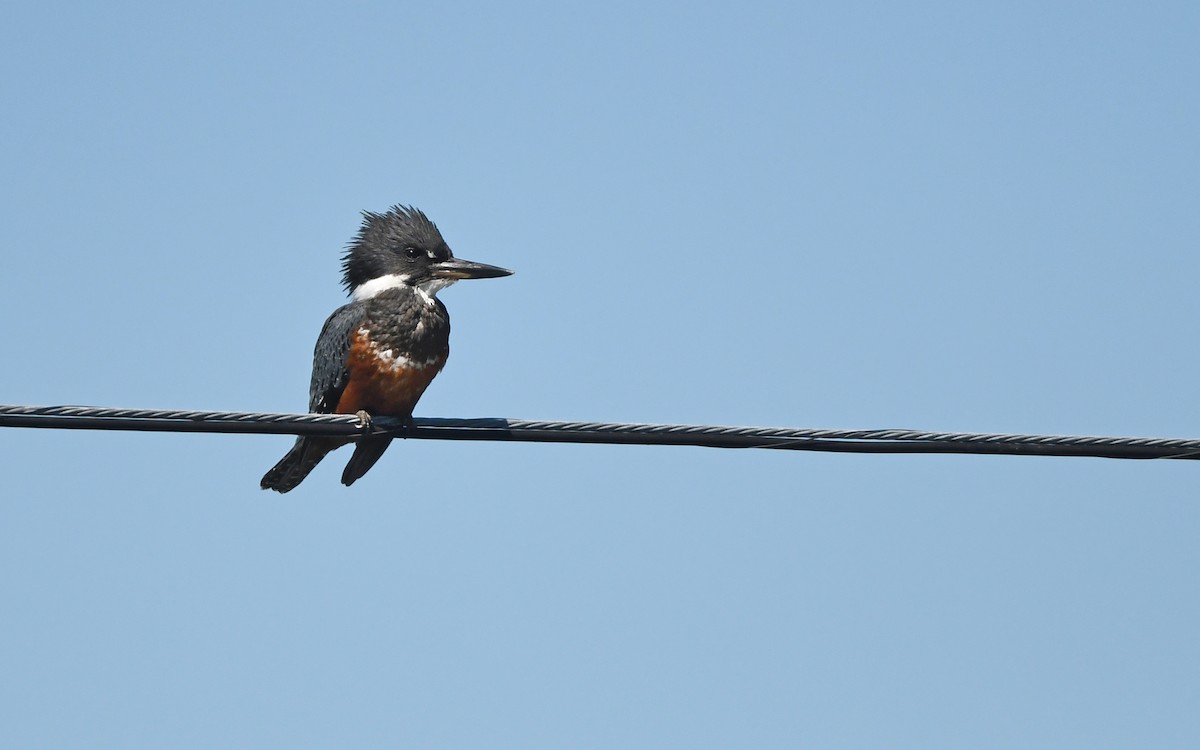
(366, 424)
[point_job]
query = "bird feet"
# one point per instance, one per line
(366, 424)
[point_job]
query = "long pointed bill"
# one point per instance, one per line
(456, 268)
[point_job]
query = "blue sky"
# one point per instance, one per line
(937, 215)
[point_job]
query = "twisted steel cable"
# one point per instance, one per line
(848, 441)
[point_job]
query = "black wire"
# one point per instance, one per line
(496, 429)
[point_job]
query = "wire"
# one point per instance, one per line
(349, 426)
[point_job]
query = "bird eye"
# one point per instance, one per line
(412, 252)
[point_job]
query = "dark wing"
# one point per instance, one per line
(330, 375)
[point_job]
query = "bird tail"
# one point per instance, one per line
(366, 453)
(295, 466)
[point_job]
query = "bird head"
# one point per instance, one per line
(402, 247)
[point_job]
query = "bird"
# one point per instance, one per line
(377, 354)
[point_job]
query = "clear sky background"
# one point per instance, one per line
(936, 215)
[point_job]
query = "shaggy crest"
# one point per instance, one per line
(394, 230)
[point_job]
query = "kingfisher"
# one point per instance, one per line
(377, 355)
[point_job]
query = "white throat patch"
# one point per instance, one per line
(433, 286)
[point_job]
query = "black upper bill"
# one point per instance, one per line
(456, 268)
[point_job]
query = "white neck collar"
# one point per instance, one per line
(427, 290)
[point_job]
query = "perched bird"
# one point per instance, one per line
(378, 354)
